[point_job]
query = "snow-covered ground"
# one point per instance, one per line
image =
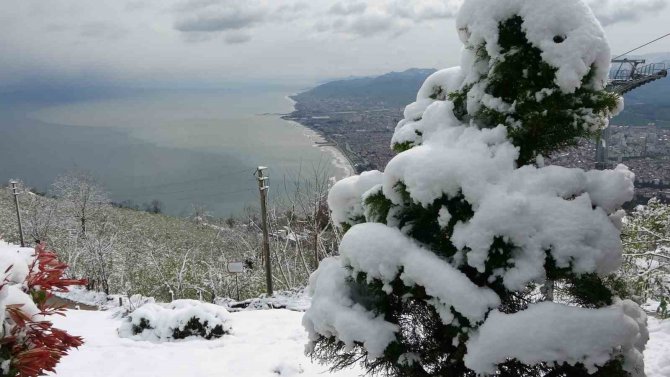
(262, 343)
(657, 356)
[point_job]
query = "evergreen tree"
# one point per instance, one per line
(453, 256)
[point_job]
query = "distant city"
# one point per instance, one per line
(364, 136)
(644, 149)
(361, 126)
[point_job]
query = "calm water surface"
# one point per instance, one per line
(184, 148)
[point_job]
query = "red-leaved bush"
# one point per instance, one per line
(29, 344)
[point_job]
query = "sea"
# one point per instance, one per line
(186, 148)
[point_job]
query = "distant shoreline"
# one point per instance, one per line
(340, 159)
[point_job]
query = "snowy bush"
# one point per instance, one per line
(446, 252)
(29, 345)
(179, 319)
(646, 268)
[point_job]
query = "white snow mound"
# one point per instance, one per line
(15, 262)
(550, 332)
(158, 322)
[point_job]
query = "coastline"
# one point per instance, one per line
(340, 160)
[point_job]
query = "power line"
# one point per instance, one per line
(646, 44)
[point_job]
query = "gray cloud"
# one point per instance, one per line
(369, 24)
(293, 9)
(425, 9)
(137, 5)
(163, 41)
(237, 38)
(353, 17)
(235, 20)
(615, 11)
(395, 16)
(102, 30)
(220, 19)
(345, 9)
(192, 5)
(198, 37)
(392, 17)
(206, 20)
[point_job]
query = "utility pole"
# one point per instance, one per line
(602, 149)
(263, 188)
(18, 212)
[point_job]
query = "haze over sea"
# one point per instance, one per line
(182, 147)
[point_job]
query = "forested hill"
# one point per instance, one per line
(395, 89)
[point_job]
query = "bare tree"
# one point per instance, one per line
(40, 214)
(99, 248)
(82, 193)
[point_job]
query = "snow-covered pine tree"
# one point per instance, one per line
(445, 252)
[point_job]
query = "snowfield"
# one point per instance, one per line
(657, 356)
(263, 343)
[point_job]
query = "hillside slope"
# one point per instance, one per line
(395, 89)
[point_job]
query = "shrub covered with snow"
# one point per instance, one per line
(179, 319)
(446, 252)
(646, 268)
(29, 345)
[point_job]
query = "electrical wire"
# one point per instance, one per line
(644, 45)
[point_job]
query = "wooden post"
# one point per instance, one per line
(263, 188)
(237, 287)
(18, 211)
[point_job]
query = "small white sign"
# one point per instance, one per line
(235, 267)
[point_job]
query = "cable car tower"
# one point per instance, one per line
(632, 74)
(628, 75)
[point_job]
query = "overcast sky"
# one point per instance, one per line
(165, 42)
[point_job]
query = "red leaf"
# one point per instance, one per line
(37, 347)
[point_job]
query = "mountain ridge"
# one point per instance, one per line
(393, 89)
(647, 104)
